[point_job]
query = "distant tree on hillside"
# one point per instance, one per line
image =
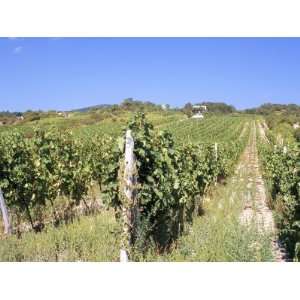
(270, 108)
(218, 107)
(188, 109)
(32, 115)
(136, 105)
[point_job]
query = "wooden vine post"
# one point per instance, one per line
(5, 216)
(129, 206)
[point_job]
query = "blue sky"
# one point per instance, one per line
(68, 73)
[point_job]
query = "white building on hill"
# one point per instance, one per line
(198, 111)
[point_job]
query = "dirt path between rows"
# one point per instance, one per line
(262, 131)
(256, 210)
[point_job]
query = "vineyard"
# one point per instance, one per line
(70, 193)
(281, 170)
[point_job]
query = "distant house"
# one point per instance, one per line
(198, 111)
(63, 114)
(296, 125)
(20, 118)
